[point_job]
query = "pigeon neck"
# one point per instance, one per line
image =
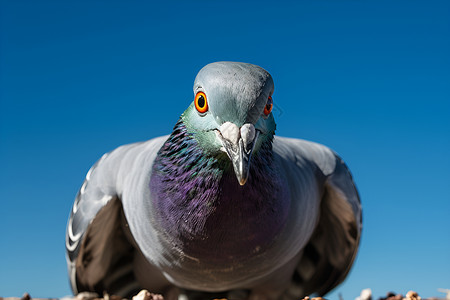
(201, 208)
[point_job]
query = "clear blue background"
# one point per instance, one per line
(370, 79)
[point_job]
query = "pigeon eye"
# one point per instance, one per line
(269, 106)
(200, 102)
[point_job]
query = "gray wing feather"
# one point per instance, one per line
(334, 244)
(104, 181)
(97, 189)
(334, 240)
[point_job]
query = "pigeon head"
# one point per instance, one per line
(231, 112)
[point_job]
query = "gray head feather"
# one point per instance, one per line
(247, 86)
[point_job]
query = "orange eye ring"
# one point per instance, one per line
(269, 106)
(200, 102)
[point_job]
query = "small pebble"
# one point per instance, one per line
(26, 296)
(146, 295)
(411, 295)
(86, 296)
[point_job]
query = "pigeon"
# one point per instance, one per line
(219, 208)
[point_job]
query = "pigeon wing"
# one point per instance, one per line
(331, 249)
(97, 212)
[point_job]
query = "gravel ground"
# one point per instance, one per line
(145, 295)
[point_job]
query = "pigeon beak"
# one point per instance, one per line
(239, 145)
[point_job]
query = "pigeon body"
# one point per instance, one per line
(219, 208)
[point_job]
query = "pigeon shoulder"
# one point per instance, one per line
(109, 174)
(306, 152)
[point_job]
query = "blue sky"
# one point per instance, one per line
(370, 79)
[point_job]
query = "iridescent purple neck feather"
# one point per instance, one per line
(201, 209)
